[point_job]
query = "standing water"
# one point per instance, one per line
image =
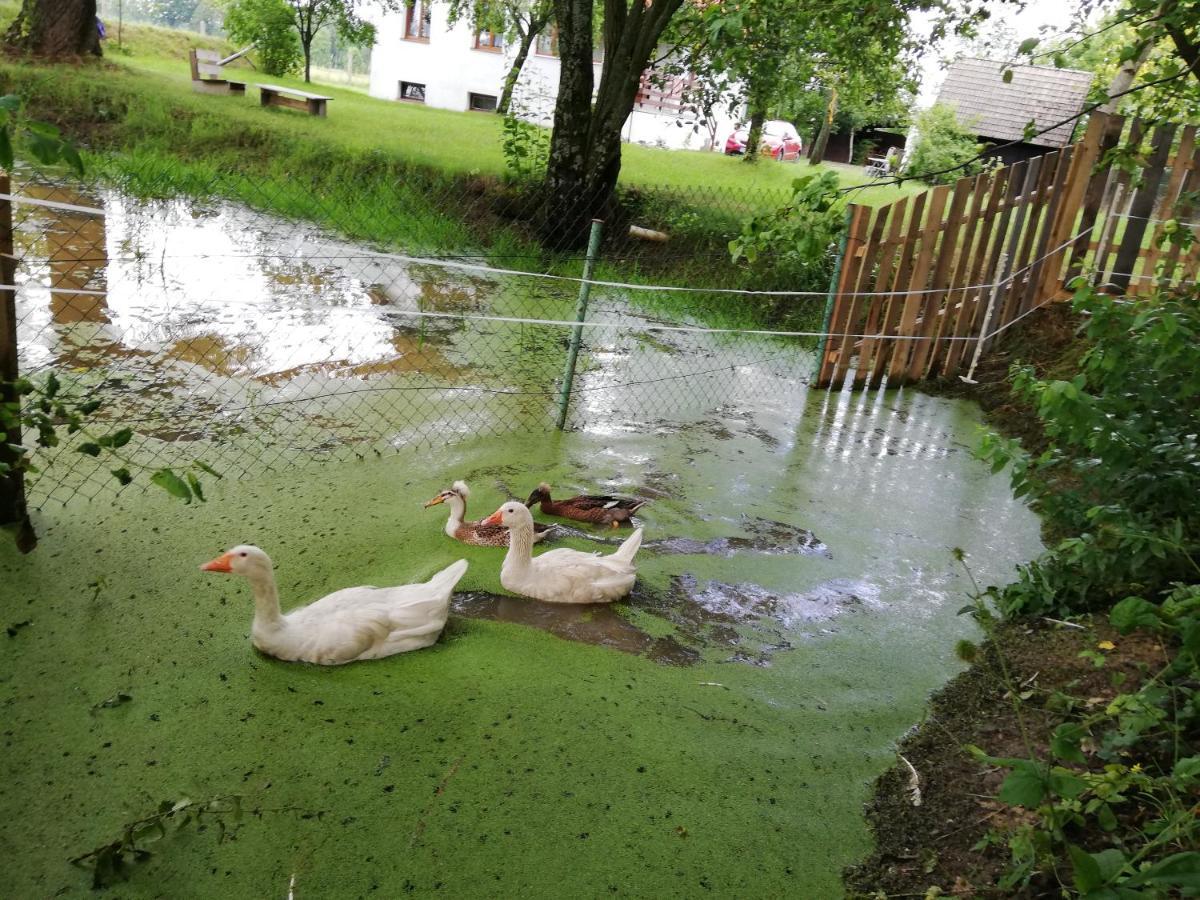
(716, 733)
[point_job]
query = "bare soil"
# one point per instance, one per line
(934, 844)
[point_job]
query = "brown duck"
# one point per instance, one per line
(603, 510)
(476, 533)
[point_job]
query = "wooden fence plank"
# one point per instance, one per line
(873, 349)
(858, 304)
(1142, 207)
(1185, 211)
(1032, 294)
(1180, 167)
(918, 281)
(877, 261)
(927, 350)
(904, 264)
(1007, 247)
(1103, 134)
(837, 323)
(975, 275)
(1020, 244)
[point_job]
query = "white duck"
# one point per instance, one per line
(562, 576)
(348, 625)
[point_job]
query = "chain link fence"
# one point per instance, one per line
(259, 325)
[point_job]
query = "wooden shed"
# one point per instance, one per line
(998, 111)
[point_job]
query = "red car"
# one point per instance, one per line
(779, 141)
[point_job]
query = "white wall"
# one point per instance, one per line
(450, 68)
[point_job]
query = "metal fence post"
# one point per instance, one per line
(823, 340)
(13, 509)
(585, 289)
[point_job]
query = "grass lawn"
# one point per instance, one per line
(153, 63)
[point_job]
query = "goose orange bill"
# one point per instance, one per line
(220, 564)
(440, 498)
(493, 519)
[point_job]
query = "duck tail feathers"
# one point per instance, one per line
(629, 547)
(446, 579)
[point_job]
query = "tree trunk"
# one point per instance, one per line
(816, 153)
(514, 72)
(56, 28)
(754, 135)
(306, 44)
(585, 146)
(1123, 79)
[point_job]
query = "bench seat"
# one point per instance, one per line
(277, 95)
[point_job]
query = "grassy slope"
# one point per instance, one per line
(153, 67)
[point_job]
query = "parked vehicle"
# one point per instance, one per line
(779, 140)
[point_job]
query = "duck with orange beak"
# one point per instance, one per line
(476, 533)
(562, 575)
(352, 624)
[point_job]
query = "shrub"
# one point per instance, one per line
(942, 143)
(1121, 475)
(268, 25)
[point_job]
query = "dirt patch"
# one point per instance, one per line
(917, 847)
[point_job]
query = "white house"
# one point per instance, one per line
(420, 58)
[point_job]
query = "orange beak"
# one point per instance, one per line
(220, 564)
(435, 501)
(493, 519)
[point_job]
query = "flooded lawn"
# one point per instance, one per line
(713, 734)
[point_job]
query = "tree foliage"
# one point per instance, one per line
(945, 150)
(269, 25)
(1122, 472)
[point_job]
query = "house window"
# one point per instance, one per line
(489, 40)
(547, 42)
(417, 18)
(481, 102)
(410, 90)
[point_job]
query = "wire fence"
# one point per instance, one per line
(258, 327)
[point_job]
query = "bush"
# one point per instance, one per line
(1121, 476)
(942, 143)
(268, 25)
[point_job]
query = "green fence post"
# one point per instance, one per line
(833, 282)
(585, 289)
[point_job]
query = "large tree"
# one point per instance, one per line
(585, 147)
(55, 28)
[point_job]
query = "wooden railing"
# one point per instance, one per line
(927, 280)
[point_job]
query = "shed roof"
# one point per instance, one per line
(992, 108)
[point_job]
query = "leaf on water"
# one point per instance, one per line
(206, 468)
(122, 475)
(172, 484)
(194, 483)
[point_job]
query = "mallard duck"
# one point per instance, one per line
(561, 576)
(605, 510)
(475, 532)
(350, 624)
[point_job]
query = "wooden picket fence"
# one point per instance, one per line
(928, 281)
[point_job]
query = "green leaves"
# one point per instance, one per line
(1179, 871)
(172, 484)
(1025, 785)
(1134, 612)
(1094, 870)
(1065, 741)
(41, 140)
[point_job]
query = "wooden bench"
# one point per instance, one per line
(208, 74)
(274, 95)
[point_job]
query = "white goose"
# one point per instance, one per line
(561, 576)
(348, 625)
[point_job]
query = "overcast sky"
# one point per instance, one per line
(1029, 22)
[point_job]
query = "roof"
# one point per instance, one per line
(991, 108)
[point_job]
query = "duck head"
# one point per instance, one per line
(511, 515)
(458, 491)
(244, 559)
(540, 493)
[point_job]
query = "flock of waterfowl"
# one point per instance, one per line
(370, 622)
